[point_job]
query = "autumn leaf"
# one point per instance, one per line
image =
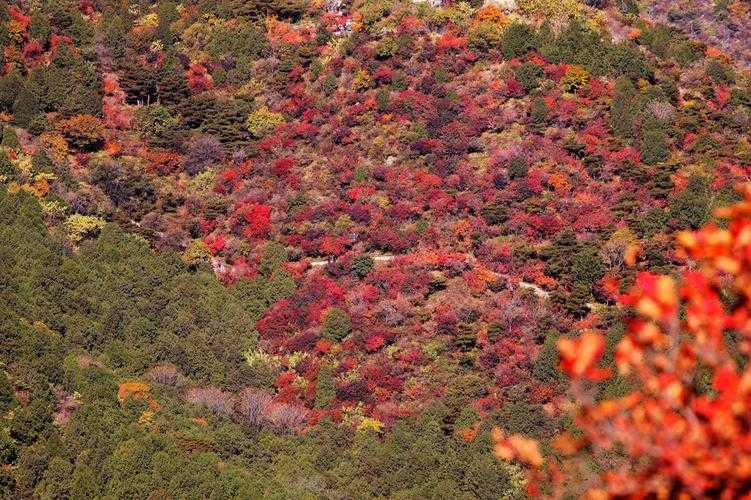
(516, 447)
(579, 356)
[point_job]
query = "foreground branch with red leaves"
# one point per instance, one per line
(671, 436)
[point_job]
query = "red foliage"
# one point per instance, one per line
(258, 219)
(199, 80)
(678, 438)
(32, 50)
(215, 243)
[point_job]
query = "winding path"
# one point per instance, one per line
(540, 292)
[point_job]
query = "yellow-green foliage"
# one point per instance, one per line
(361, 81)
(149, 21)
(294, 358)
(202, 182)
(197, 252)
(551, 7)
(370, 424)
(459, 13)
(24, 165)
(262, 122)
(743, 149)
(257, 358)
(485, 36)
(83, 226)
(575, 78)
(54, 210)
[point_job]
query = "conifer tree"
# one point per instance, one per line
(171, 86)
(227, 123)
(26, 106)
(137, 81)
(325, 390)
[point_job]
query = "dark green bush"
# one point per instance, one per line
(528, 75)
(690, 209)
(336, 325)
(518, 168)
(654, 145)
(517, 39)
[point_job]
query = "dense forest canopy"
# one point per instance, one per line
(373, 248)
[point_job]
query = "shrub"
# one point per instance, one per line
(654, 145)
(484, 36)
(517, 39)
(387, 47)
(362, 265)
(83, 226)
(202, 153)
(551, 7)
(84, 132)
(262, 121)
(528, 75)
(691, 208)
(133, 390)
(212, 398)
(251, 406)
(576, 78)
(166, 374)
(336, 324)
(285, 418)
(354, 390)
(196, 253)
(362, 81)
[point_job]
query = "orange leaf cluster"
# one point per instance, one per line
(680, 438)
(490, 13)
(138, 391)
(580, 356)
(516, 447)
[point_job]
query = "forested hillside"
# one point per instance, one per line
(333, 249)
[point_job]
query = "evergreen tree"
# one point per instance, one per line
(138, 81)
(26, 106)
(10, 85)
(195, 110)
(622, 108)
(39, 27)
(227, 123)
(10, 139)
(325, 390)
(336, 325)
(115, 34)
(172, 87)
(167, 12)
